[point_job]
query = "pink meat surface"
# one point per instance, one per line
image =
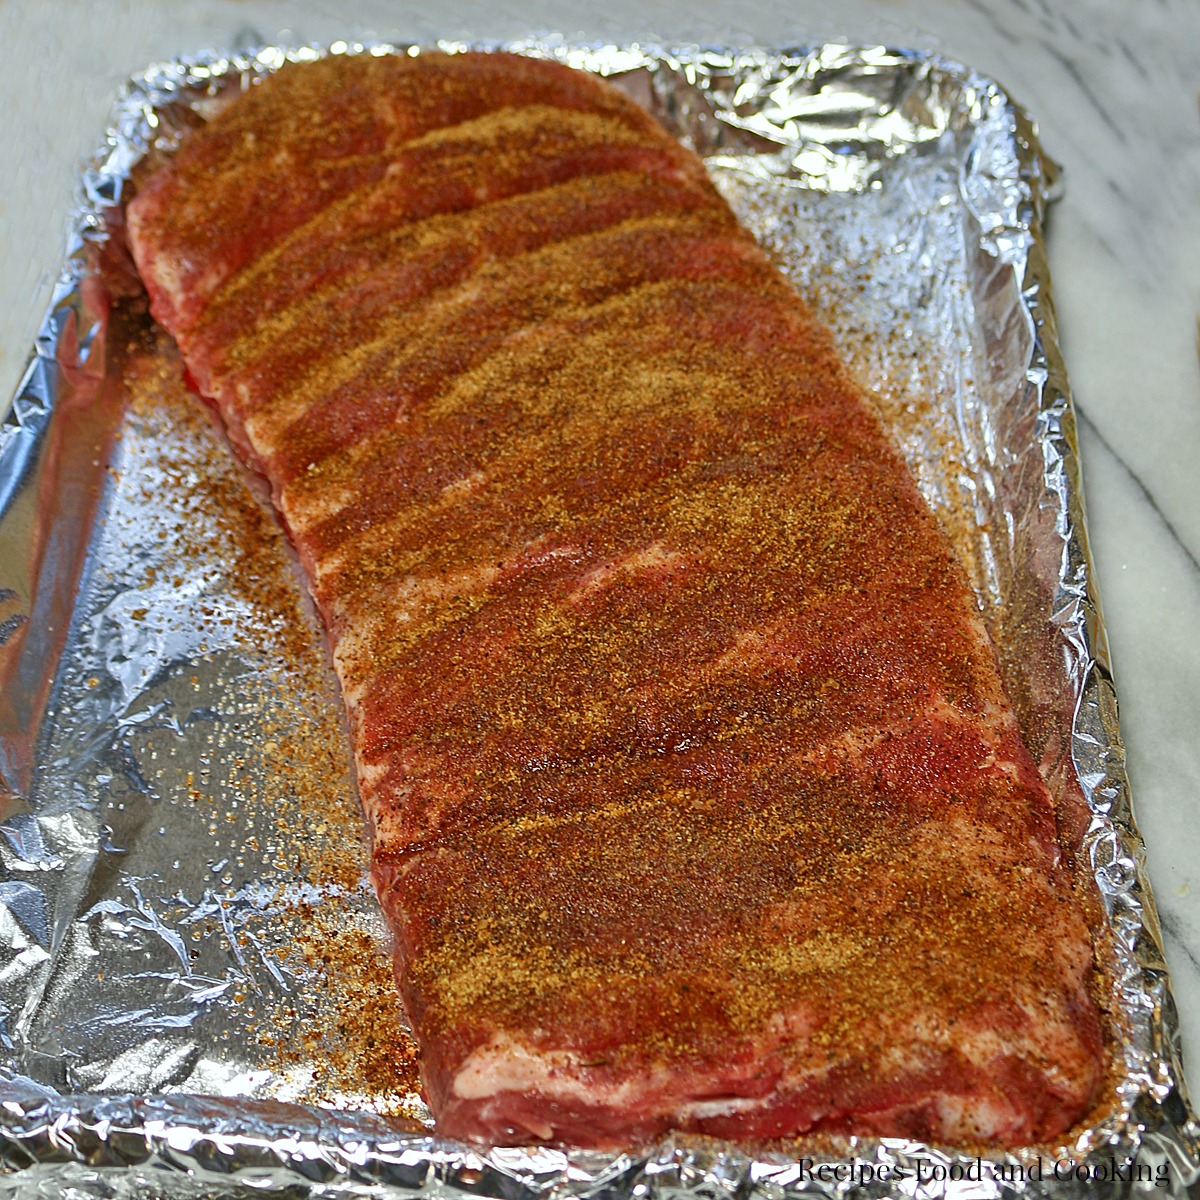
(695, 798)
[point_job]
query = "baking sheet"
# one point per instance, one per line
(184, 901)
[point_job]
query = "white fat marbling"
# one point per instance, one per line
(1113, 84)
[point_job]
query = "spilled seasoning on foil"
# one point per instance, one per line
(278, 808)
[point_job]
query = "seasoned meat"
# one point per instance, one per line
(695, 798)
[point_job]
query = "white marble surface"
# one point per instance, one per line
(1114, 85)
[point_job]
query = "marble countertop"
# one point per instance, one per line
(1114, 86)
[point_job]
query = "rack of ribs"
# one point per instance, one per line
(696, 802)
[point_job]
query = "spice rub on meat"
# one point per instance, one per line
(695, 798)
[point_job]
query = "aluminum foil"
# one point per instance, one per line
(191, 963)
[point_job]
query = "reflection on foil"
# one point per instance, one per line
(194, 968)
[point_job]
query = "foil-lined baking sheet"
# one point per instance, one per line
(194, 983)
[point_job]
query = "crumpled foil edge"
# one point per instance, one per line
(122, 1145)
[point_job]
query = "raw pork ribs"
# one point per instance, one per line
(696, 801)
